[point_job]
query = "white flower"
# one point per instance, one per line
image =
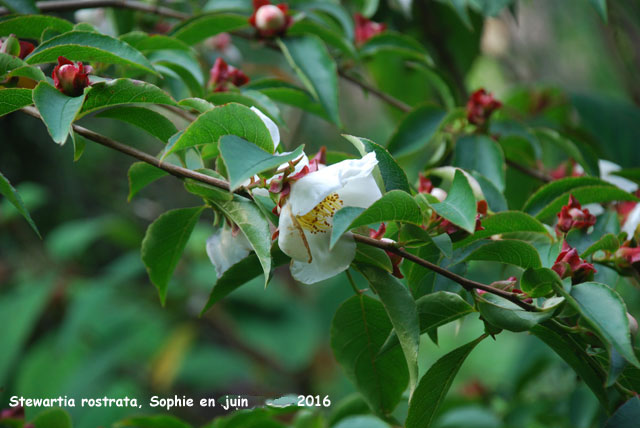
(225, 248)
(271, 126)
(306, 219)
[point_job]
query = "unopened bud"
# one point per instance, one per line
(439, 193)
(270, 18)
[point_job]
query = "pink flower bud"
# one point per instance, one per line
(270, 20)
(572, 216)
(222, 74)
(481, 106)
(366, 29)
(70, 78)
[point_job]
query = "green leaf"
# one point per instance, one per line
(9, 62)
(394, 206)
(317, 70)
(89, 46)
(416, 130)
(287, 93)
(539, 282)
(508, 251)
(52, 418)
(601, 7)
(12, 99)
(358, 330)
(200, 27)
(460, 205)
(244, 159)
(373, 256)
(9, 192)
(608, 242)
(206, 191)
(32, 26)
(33, 73)
(632, 174)
(628, 414)
(148, 120)
(229, 119)
(434, 385)
(582, 155)
(197, 104)
(398, 43)
(21, 6)
(504, 314)
(253, 224)
(504, 222)
(155, 421)
(549, 192)
(420, 279)
(123, 91)
(336, 11)
(494, 197)
(145, 42)
(58, 111)
(403, 313)
(388, 173)
(164, 243)
(605, 311)
(249, 98)
(480, 153)
(241, 273)
(141, 174)
(575, 356)
(331, 37)
(434, 310)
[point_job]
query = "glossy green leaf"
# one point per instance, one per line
(373, 256)
(539, 282)
(58, 111)
(331, 37)
(12, 99)
(358, 330)
(200, 27)
(21, 6)
(245, 160)
(391, 41)
(480, 153)
(508, 251)
(317, 70)
(12, 195)
(148, 120)
(249, 98)
(403, 313)
(89, 46)
(434, 385)
(502, 313)
(606, 312)
(197, 104)
(549, 192)
(505, 222)
(32, 26)
(164, 243)
(388, 173)
(145, 42)
(460, 205)
(229, 119)
(627, 415)
(141, 174)
(253, 224)
(608, 242)
(416, 130)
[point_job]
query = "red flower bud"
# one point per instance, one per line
(25, 49)
(628, 254)
(222, 74)
(570, 265)
(270, 20)
(70, 78)
(480, 106)
(366, 29)
(572, 216)
(424, 184)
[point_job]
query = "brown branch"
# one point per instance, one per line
(382, 95)
(187, 173)
(530, 172)
(67, 5)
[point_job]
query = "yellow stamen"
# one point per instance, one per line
(319, 219)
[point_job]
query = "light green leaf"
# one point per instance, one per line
(539, 282)
(164, 243)
(317, 70)
(12, 195)
(21, 6)
(58, 111)
(200, 27)
(148, 120)
(249, 98)
(434, 385)
(460, 205)
(504, 222)
(197, 104)
(229, 119)
(145, 42)
(480, 153)
(32, 26)
(416, 130)
(508, 251)
(12, 99)
(245, 160)
(141, 174)
(358, 330)
(391, 41)
(89, 46)
(403, 313)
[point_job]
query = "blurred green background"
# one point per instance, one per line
(78, 316)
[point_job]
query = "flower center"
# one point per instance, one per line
(319, 219)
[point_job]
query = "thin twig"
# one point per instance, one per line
(382, 95)
(67, 5)
(530, 172)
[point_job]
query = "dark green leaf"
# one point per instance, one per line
(373, 256)
(504, 222)
(287, 93)
(583, 155)
(608, 242)
(317, 70)
(148, 120)
(32, 26)
(12, 99)
(33, 73)
(359, 328)
(9, 192)
(434, 385)
(460, 205)
(627, 415)
(416, 130)
(145, 42)
(480, 153)
(420, 279)
(549, 192)
(331, 37)
(58, 111)
(164, 243)
(249, 98)
(504, 314)
(141, 174)
(391, 41)
(509, 251)
(89, 46)
(632, 174)
(206, 191)
(539, 282)
(494, 197)
(403, 313)
(9, 62)
(200, 27)
(244, 159)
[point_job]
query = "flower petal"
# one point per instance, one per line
(225, 250)
(271, 126)
(361, 192)
(291, 238)
(311, 189)
(326, 263)
(606, 170)
(633, 220)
